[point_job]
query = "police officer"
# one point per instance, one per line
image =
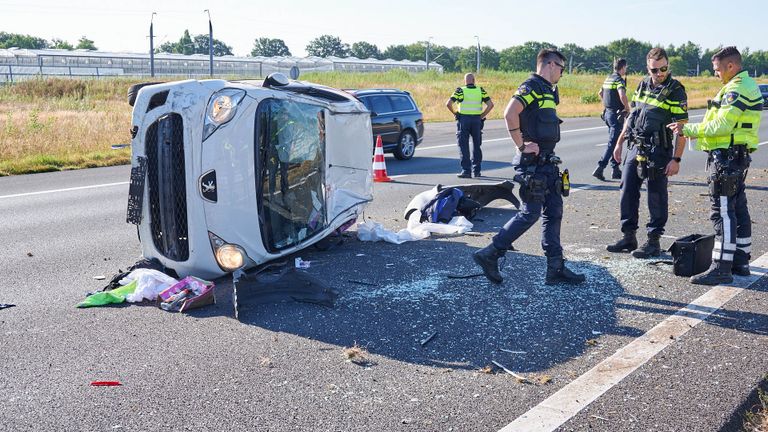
(535, 130)
(658, 101)
(614, 97)
(729, 134)
(470, 118)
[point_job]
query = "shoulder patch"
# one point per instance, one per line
(684, 105)
(523, 90)
(729, 98)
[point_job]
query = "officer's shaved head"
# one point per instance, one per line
(469, 78)
(547, 55)
(728, 55)
(619, 64)
(657, 54)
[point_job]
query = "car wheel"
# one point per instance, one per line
(134, 90)
(406, 146)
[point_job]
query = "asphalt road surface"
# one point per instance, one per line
(612, 354)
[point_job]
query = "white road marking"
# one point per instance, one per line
(63, 190)
(557, 409)
(507, 138)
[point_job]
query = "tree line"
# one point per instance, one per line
(685, 59)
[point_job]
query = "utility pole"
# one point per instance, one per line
(478, 55)
(152, 45)
(210, 41)
(427, 55)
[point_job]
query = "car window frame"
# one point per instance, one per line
(401, 96)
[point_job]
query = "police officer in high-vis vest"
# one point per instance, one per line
(470, 117)
(654, 154)
(729, 134)
(535, 130)
(614, 97)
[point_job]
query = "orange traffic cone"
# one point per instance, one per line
(379, 166)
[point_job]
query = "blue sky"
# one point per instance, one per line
(124, 26)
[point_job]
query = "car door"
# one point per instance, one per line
(383, 123)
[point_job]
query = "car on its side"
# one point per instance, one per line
(229, 175)
(764, 92)
(396, 118)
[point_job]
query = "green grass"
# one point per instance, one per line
(57, 124)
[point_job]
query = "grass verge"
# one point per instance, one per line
(57, 124)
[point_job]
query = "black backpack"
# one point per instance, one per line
(692, 254)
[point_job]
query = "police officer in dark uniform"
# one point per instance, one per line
(535, 130)
(654, 153)
(470, 118)
(613, 93)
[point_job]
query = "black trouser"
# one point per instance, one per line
(630, 198)
(615, 122)
(470, 125)
(729, 214)
(550, 210)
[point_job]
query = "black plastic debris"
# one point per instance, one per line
(281, 284)
(6, 305)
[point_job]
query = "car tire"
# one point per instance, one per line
(133, 91)
(406, 145)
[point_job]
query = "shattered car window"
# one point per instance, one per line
(291, 143)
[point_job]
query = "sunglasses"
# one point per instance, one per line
(562, 67)
(657, 70)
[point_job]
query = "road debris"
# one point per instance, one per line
(521, 379)
(356, 354)
(513, 352)
(591, 342)
(29, 254)
(6, 305)
(361, 282)
(426, 341)
(99, 277)
(487, 370)
(106, 383)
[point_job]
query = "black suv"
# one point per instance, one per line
(394, 116)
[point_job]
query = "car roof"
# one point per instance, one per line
(361, 92)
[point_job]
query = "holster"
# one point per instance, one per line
(725, 183)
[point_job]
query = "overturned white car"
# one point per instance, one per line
(228, 175)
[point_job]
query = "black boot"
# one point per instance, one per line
(488, 260)
(558, 273)
(598, 173)
(616, 173)
(626, 244)
(651, 248)
(719, 273)
(740, 270)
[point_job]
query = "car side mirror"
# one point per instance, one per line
(275, 79)
(373, 114)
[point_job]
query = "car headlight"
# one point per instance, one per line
(221, 108)
(230, 257)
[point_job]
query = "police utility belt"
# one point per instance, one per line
(534, 189)
(652, 155)
(730, 170)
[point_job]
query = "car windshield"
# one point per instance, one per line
(290, 160)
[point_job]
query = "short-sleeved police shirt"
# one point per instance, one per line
(538, 120)
(653, 108)
(611, 86)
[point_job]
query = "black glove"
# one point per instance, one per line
(456, 116)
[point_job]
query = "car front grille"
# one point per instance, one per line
(166, 178)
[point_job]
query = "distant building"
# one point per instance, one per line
(18, 64)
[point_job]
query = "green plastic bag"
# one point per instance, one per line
(104, 298)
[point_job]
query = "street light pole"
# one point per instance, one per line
(210, 41)
(478, 55)
(428, 39)
(152, 45)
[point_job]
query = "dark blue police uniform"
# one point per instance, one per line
(613, 116)
(651, 149)
(538, 123)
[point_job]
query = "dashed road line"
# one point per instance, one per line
(63, 190)
(557, 409)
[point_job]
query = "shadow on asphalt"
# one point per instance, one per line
(392, 298)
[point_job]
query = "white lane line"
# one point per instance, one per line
(507, 138)
(557, 409)
(63, 190)
(762, 143)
